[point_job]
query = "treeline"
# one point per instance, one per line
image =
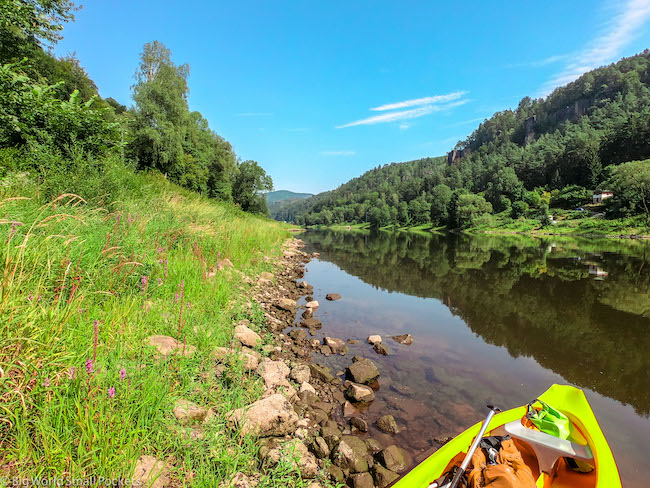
(54, 126)
(547, 152)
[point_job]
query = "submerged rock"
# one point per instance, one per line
(322, 373)
(332, 296)
(359, 423)
(311, 323)
(405, 339)
(360, 393)
(394, 459)
(381, 349)
(388, 424)
(362, 371)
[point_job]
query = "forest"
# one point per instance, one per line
(55, 128)
(592, 134)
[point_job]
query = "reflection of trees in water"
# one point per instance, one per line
(532, 296)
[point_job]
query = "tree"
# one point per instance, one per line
(38, 20)
(249, 186)
(470, 207)
(630, 183)
(440, 200)
(519, 209)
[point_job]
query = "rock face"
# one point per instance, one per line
(405, 339)
(394, 459)
(360, 393)
(332, 296)
(151, 472)
(363, 371)
(272, 416)
(187, 412)
(168, 345)
(247, 336)
(374, 339)
(383, 477)
(286, 304)
(387, 424)
(351, 454)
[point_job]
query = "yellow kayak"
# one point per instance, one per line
(543, 453)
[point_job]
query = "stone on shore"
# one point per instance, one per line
(322, 373)
(274, 373)
(359, 423)
(286, 304)
(360, 393)
(388, 424)
(332, 296)
(394, 459)
(151, 472)
(246, 336)
(374, 339)
(272, 416)
(187, 412)
(351, 454)
(336, 345)
(312, 304)
(266, 275)
(362, 371)
(362, 480)
(311, 323)
(295, 452)
(168, 345)
(320, 448)
(300, 373)
(240, 480)
(383, 477)
(405, 339)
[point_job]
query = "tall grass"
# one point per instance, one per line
(82, 288)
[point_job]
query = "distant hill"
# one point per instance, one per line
(546, 152)
(281, 195)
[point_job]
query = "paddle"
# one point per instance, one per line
(463, 467)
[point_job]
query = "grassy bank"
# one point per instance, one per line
(83, 287)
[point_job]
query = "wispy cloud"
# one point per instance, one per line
(539, 63)
(421, 101)
(338, 153)
(624, 23)
(404, 126)
(404, 114)
(253, 114)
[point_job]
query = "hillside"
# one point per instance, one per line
(549, 152)
(282, 195)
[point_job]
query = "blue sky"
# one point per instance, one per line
(319, 92)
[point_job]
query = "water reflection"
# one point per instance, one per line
(580, 308)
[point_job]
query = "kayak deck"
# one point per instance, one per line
(588, 438)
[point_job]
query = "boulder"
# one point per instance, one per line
(312, 304)
(349, 410)
(351, 454)
(374, 339)
(362, 480)
(240, 480)
(381, 349)
(373, 446)
(300, 373)
(359, 393)
(322, 373)
(382, 476)
(272, 416)
(331, 434)
(220, 353)
(394, 459)
(247, 336)
(307, 313)
(335, 473)
(264, 282)
(298, 335)
(326, 351)
(332, 296)
(359, 423)
(320, 448)
(311, 323)
(224, 264)
(187, 412)
(274, 373)
(405, 339)
(336, 345)
(168, 345)
(362, 371)
(387, 424)
(151, 472)
(286, 304)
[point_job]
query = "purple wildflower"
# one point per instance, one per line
(188, 306)
(90, 366)
(31, 296)
(71, 372)
(111, 392)
(144, 283)
(46, 382)
(159, 281)
(122, 374)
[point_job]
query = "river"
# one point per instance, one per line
(496, 319)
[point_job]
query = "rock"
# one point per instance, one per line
(307, 313)
(240, 480)
(332, 296)
(387, 424)
(266, 275)
(382, 476)
(274, 373)
(405, 339)
(362, 371)
(320, 448)
(311, 323)
(350, 410)
(443, 440)
(298, 335)
(300, 373)
(394, 458)
(187, 412)
(303, 284)
(247, 336)
(360, 393)
(151, 472)
(224, 264)
(263, 282)
(353, 341)
(322, 373)
(359, 423)
(307, 387)
(295, 452)
(286, 304)
(332, 435)
(335, 473)
(272, 416)
(402, 389)
(251, 361)
(326, 351)
(381, 349)
(373, 446)
(362, 480)
(351, 454)
(312, 304)
(336, 345)
(168, 345)
(315, 255)
(314, 484)
(220, 353)
(374, 339)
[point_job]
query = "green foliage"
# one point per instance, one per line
(631, 185)
(519, 209)
(571, 196)
(250, 185)
(440, 200)
(469, 208)
(34, 19)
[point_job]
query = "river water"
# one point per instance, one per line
(496, 319)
